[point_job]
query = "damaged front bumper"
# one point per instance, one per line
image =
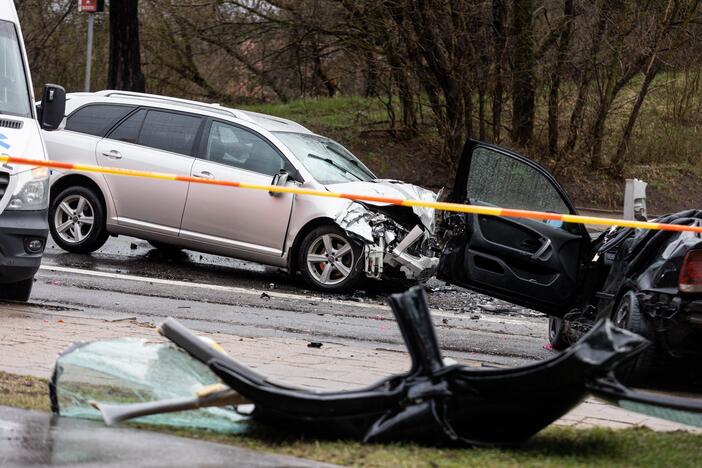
(394, 246)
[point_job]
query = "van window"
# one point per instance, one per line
(96, 119)
(129, 129)
(169, 131)
(14, 91)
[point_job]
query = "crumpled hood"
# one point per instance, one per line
(392, 189)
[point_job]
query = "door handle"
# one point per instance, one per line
(113, 154)
(542, 250)
(204, 175)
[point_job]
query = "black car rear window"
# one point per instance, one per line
(96, 119)
(169, 131)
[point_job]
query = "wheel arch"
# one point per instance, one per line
(304, 230)
(72, 180)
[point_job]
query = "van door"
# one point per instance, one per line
(527, 262)
(155, 141)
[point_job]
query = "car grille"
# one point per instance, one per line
(4, 182)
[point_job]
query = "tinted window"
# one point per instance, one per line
(234, 146)
(499, 180)
(129, 129)
(169, 131)
(97, 119)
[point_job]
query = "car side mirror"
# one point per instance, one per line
(279, 180)
(52, 108)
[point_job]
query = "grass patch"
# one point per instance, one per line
(555, 446)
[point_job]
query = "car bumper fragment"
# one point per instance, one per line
(434, 402)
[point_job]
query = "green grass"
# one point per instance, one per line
(553, 447)
(324, 113)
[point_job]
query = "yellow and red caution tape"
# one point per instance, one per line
(455, 207)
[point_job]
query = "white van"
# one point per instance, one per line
(24, 191)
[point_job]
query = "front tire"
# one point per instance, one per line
(19, 291)
(329, 260)
(77, 220)
(558, 333)
(641, 368)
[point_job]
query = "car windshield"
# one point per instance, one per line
(327, 160)
(14, 95)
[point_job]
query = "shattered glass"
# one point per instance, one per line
(127, 370)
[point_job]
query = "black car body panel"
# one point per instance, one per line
(648, 263)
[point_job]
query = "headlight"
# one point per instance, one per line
(31, 190)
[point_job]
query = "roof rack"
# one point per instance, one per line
(184, 102)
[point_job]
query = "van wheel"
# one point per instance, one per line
(18, 291)
(558, 333)
(642, 367)
(329, 260)
(77, 220)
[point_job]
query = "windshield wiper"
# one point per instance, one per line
(346, 158)
(332, 163)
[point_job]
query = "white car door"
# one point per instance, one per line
(157, 141)
(240, 220)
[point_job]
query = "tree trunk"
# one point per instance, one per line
(499, 13)
(124, 70)
(523, 73)
(561, 57)
(610, 91)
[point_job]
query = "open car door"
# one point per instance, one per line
(532, 263)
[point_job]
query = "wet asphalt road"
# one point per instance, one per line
(128, 278)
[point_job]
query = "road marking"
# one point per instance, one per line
(281, 295)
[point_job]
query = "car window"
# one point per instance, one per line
(129, 129)
(96, 119)
(499, 180)
(234, 146)
(169, 131)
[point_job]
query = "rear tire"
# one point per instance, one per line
(558, 333)
(337, 270)
(643, 367)
(19, 291)
(77, 220)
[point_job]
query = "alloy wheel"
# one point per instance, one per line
(330, 259)
(74, 219)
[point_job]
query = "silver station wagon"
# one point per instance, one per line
(333, 243)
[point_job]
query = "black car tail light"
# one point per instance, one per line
(691, 273)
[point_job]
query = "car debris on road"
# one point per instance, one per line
(436, 402)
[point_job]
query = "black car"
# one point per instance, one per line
(649, 282)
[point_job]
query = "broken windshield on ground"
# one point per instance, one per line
(126, 371)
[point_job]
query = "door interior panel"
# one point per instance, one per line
(528, 262)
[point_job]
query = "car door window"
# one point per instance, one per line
(234, 146)
(96, 119)
(497, 179)
(170, 131)
(129, 129)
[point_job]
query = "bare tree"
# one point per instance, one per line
(124, 70)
